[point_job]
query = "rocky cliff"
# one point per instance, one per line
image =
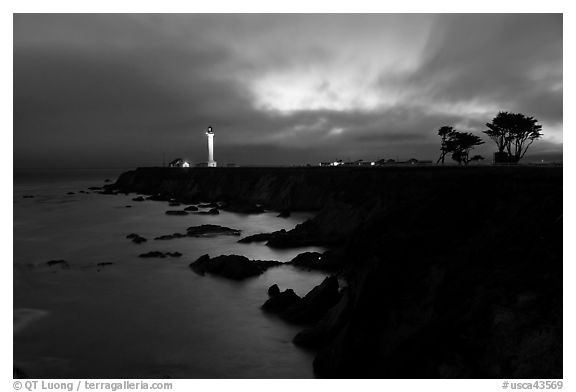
(452, 272)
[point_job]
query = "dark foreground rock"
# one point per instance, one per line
(231, 266)
(452, 272)
(311, 308)
(324, 331)
(316, 303)
(281, 301)
(273, 290)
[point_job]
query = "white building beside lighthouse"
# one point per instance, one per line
(210, 134)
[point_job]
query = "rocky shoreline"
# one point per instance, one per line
(450, 272)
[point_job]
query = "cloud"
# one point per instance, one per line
(121, 90)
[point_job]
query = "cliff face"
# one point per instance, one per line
(452, 272)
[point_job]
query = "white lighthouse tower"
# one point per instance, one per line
(210, 134)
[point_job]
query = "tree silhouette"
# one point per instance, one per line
(444, 133)
(513, 133)
(460, 144)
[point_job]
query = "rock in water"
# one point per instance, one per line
(282, 301)
(171, 236)
(176, 212)
(207, 230)
(202, 231)
(327, 327)
(327, 261)
(315, 304)
(137, 239)
(309, 260)
(273, 290)
(259, 237)
(61, 263)
(231, 266)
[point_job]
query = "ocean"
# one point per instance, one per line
(141, 318)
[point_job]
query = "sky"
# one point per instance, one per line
(126, 90)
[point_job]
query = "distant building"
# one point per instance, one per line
(179, 162)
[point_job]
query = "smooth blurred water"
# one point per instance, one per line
(142, 317)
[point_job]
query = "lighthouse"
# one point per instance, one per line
(210, 134)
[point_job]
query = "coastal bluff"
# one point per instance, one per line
(451, 272)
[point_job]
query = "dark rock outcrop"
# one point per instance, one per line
(281, 301)
(170, 236)
(58, 263)
(327, 261)
(451, 272)
(262, 237)
(231, 266)
(273, 290)
(325, 330)
(211, 230)
(311, 308)
(136, 238)
(202, 231)
(176, 212)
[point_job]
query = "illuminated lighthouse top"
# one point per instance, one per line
(210, 131)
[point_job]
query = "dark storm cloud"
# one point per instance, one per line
(121, 90)
(512, 60)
